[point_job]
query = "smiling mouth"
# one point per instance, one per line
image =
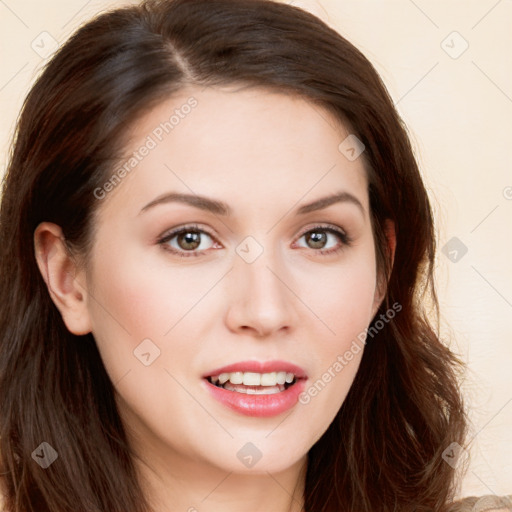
(252, 383)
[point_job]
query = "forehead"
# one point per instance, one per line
(253, 145)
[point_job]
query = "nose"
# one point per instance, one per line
(261, 297)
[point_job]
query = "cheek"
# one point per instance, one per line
(133, 301)
(137, 287)
(141, 323)
(345, 309)
(342, 297)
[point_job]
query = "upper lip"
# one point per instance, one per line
(259, 367)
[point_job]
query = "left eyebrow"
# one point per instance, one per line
(324, 202)
(220, 208)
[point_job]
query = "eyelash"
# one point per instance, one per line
(345, 240)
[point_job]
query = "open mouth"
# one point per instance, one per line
(255, 388)
(252, 383)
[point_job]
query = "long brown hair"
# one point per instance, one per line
(383, 451)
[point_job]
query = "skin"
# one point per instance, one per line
(264, 154)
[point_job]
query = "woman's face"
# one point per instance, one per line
(215, 257)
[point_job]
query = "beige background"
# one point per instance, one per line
(457, 102)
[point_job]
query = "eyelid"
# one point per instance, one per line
(341, 233)
(170, 234)
(345, 239)
(323, 225)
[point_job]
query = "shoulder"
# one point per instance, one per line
(491, 503)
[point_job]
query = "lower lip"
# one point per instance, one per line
(261, 406)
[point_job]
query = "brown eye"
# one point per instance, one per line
(187, 241)
(316, 239)
(325, 240)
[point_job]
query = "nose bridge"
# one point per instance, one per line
(255, 265)
(260, 297)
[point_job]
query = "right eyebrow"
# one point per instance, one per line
(220, 208)
(202, 202)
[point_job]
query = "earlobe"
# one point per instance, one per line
(60, 274)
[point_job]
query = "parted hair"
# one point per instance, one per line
(383, 451)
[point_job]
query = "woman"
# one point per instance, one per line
(215, 248)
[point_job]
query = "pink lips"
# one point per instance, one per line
(257, 367)
(258, 405)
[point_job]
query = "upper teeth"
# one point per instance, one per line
(254, 379)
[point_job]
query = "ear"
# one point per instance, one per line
(382, 280)
(61, 276)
